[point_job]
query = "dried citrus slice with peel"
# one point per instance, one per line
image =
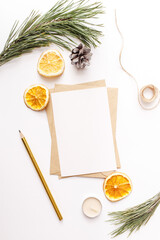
(117, 186)
(36, 97)
(51, 64)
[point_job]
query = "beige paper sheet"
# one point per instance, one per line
(113, 97)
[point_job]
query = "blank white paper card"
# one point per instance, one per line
(83, 131)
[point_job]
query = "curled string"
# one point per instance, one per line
(141, 97)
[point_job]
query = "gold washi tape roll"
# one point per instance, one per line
(154, 90)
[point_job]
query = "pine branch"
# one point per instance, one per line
(133, 218)
(66, 21)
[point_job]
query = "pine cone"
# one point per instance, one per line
(81, 56)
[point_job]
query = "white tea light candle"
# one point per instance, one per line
(91, 207)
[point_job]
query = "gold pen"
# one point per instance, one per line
(41, 176)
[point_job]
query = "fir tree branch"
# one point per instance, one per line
(66, 21)
(133, 218)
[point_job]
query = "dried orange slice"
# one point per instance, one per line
(36, 97)
(117, 186)
(51, 64)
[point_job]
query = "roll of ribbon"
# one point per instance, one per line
(155, 93)
(145, 103)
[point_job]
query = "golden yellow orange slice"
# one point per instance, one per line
(51, 64)
(117, 186)
(36, 97)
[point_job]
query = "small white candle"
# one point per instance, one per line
(91, 207)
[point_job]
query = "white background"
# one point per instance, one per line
(25, 211)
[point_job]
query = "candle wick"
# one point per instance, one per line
(94, 210)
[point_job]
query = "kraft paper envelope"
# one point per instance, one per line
(112, 96)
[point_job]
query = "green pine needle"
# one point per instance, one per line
(66, 21)
(133, 218)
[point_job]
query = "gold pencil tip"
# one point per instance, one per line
(21, 135)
